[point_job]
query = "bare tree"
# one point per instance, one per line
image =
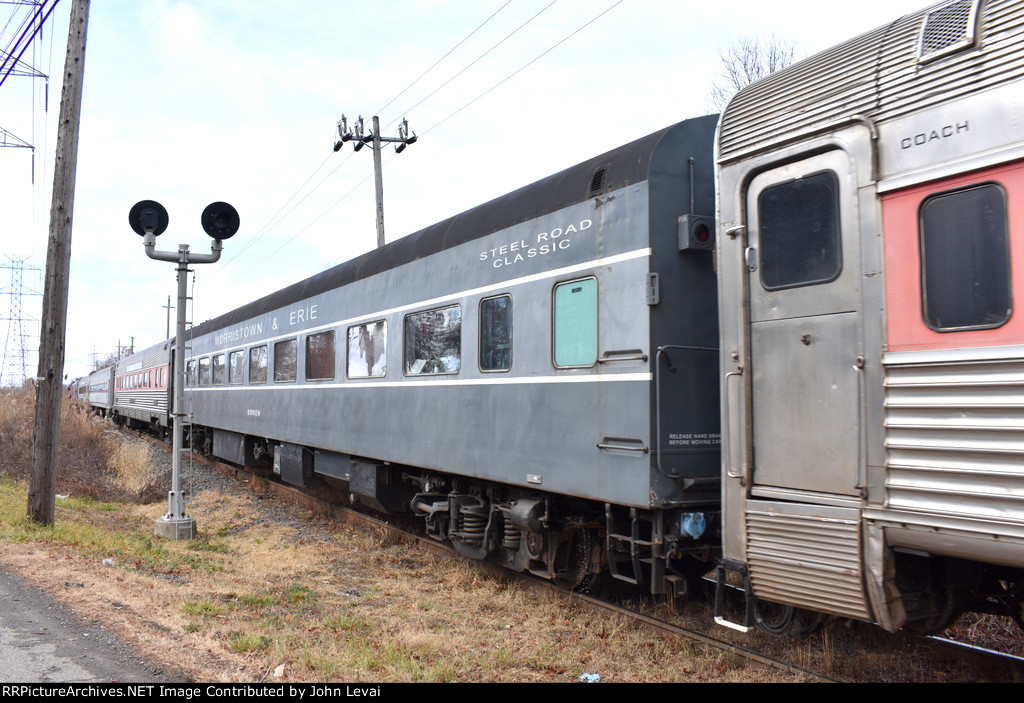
(747, 60)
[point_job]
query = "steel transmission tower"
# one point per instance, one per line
(14, 369)
(26, 29)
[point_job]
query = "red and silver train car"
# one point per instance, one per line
(142, 389)
(870, 254)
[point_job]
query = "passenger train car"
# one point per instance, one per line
(97, 390)
(499, 373)
(870, 216)
(142, 389)
(780, 343)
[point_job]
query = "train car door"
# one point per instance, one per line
(806, 359)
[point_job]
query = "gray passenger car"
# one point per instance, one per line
(535, 377)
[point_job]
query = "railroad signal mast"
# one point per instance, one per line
(358, 135)
(149, 219)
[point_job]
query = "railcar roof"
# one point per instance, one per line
(623, 166)
(880, 75)
(139, 354)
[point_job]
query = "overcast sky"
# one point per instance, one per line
(188, 102)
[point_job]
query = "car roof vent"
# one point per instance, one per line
(947, 29)
(597, 181)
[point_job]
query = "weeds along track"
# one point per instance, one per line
(842, 651)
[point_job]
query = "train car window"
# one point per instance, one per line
(433, 341)
(219, 368)
(286, 361)
(204, 371)
(367, 349)
(965, 259)
(496, 333)
(236, 366)
(320, 356)
(575, 323)
(799, 232)
(258, 358)
(190, 373)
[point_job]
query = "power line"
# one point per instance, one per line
(303, 230)
(464, 40)
(270, 223)
(7, 65)
(527, 65)
(453, 114)
(478, 58)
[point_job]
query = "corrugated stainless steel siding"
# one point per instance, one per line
(876, 75)
(151, 400)
(810, 561)
(954, 430)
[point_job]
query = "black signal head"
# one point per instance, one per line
(220, 220)
(148, 215)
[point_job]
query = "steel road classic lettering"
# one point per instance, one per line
(541, 244)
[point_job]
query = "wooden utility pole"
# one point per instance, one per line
(50, 378)
(169, 308)
(375, 140)
(379, 181)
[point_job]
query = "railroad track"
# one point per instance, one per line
(791, 656)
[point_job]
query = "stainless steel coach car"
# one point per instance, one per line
(537, 377)
(871, 204)
(97, 390)
(142, 388)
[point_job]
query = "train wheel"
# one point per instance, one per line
(575, 561)
(934, 614)
(774, 618)
(807, 622)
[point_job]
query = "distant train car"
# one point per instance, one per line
(142, 388)
(535, 377)
(97, 390)
(871, 243)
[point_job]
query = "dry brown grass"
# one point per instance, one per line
(293, 597)
(132, 463)
(271, 592)
(94, 461)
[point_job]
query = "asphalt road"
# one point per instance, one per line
(41, 641)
